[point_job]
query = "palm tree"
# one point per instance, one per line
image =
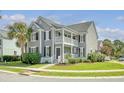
(21, 32)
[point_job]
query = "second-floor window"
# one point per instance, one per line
(0, 42)
(47, 35)
(34, 36)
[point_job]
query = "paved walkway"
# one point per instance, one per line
(46, 66)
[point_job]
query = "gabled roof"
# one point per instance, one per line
(81, 26)
(49, 22)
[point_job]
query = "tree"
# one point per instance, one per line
(118, 48)
(21, 32)
(115, 48)
(107, 48)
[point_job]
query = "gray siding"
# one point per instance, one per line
(91, 39)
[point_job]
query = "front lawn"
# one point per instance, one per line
(20, 64)
(80, 74)
(89, 66)
(11, 69)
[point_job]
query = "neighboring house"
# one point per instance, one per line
(53, 41)
(7, 46)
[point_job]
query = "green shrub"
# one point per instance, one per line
(8, 58)
(71, 61)
(86, 61)
(31, 58)
(96, 57)
(74, 60)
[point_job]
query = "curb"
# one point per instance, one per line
(62, 77)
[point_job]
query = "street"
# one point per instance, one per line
(9, 77)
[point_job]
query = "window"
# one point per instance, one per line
(75, 50)
(49, 34)
(47, 51)
(37, 37)
(58, 34)
(34, 36)
(15, 53)
(34, 50)
(0, 42)
(81, 39)
(84, 38)
(37, 49)
(29, 50)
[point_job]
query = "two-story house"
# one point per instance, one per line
(7, 46)
(53, 41)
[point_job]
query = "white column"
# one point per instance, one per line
(63, 45)
(71, 43)
(52, 49)
(40, 47)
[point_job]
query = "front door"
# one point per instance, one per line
(57, 52)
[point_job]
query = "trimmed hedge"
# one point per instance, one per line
(96, 57)
(31, 58)
(8, 58)
(74, 60)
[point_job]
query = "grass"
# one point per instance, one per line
(11, 69)
(89, 66)
(81, 74)
(20, 64)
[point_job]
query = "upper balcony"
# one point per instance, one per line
(67, 40)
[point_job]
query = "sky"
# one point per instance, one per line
(109, 23)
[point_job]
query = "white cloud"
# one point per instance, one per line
(14, 18)
(120, 18)
(110, 33)
(5, 17)
(17, 17)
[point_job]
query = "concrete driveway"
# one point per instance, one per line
(9, 77)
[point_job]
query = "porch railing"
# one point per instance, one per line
(66, 40)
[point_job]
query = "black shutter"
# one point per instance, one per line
(84, 37)
(79, 38)
(44, 35)
(49, 34)
(37, 36)
(50, 51)
(44, 51)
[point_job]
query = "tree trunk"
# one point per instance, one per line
(22, 51)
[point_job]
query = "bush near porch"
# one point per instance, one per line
(96, 57)
(31, 58)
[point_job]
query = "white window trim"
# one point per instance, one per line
(47, 35)
(47, 54)
(33, 39)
